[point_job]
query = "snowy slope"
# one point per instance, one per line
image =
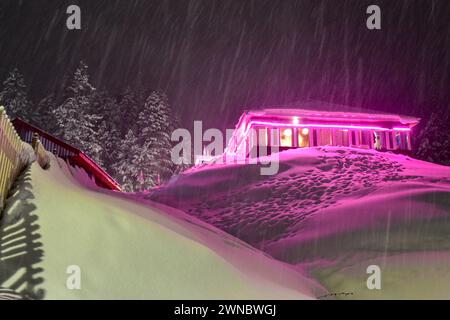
(126, 249)
(334, 211)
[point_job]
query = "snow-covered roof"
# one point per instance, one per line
(328, 111)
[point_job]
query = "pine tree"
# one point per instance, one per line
(43, 116)
(434, 139)
(80, 85)
(130, 104)
(110, 139)
(124, 166)
(74, 121)
(153, 156)
(14, 96)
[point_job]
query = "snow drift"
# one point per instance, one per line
(334, 211)
(126, 248)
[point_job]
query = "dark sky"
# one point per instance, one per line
(217, 58)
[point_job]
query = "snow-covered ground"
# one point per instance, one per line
(126, 248)
(325, 217)
(334, 211)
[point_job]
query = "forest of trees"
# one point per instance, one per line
(128, 135)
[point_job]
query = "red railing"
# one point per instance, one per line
(74, 156)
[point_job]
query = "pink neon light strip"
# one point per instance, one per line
(275, 124)
(300, 125)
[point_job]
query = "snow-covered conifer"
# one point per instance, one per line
(14, 96)
(434, 139)
(74, 121)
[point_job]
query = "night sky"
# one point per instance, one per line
(218, 58)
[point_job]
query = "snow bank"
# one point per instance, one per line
(126, 248)
(334, 211)
(27, 156)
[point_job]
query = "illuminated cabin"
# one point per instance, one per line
(288, 128)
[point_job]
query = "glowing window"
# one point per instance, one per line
(303, 137)
(325, 137)
(341, 138)
(353, 138)
(402, 140)
(378, 143)
(367, 139)
(391, 140)
(286, 137)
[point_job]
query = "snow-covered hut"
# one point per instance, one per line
(319, 124)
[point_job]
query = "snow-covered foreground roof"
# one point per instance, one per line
(126, 247)
(334, 211)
